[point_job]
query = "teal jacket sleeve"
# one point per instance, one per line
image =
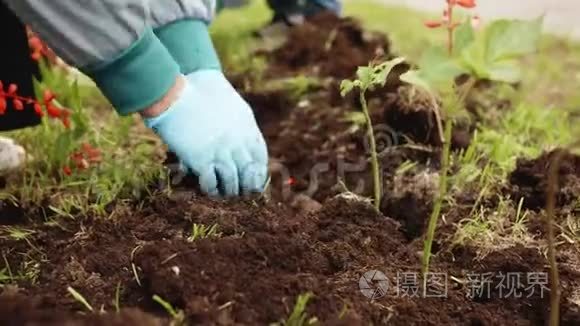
(113, 42)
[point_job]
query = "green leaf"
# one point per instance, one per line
(507, 39)
(494, 55)
(437, 68)
(414, 78)
(506, 71)
(365, 76)
(346, 87)
(464, 36)
(473, 59)
(384, 69)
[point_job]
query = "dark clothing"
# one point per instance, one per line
(16, 67)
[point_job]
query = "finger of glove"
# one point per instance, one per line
(208, 182)
(254, 178)
(244, 163)
(258, 149)
(227, 174)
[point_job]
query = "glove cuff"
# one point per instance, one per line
(138, 77)
(190, 44)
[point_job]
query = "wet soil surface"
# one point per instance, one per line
(306, 235)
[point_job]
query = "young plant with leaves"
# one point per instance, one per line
(367, 79)
(493, 54)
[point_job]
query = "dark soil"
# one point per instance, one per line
(306, 235)
(530, 179)
(330, 46)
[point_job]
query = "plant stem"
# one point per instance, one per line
(450, 28)
(438, 202)
(445, 153)
(555, 292)
(374, 156)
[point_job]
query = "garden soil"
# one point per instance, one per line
(311, 232)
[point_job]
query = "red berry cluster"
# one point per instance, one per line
(39, 49)
(19, 103)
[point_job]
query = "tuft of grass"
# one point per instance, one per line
(80, 298)
(117, 300)
(201, 231)
(495, 228)
(299, 317)
(178, 316)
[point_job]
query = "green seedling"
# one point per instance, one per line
(178, 316)
(367, 79)
(201, 231)
(79, 297)
(492, 54)
(299, 317)
(117, 301)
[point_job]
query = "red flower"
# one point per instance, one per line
(433, 24)
(38, 110)
(67, 170)
(48, 96)
(18, 106)
(66, 123)
(52, 111)
(467, 3)
(12, 89)
(36, 56)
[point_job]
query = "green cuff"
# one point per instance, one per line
(190, 44)
(138, 77)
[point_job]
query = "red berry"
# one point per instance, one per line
(18, 106)
(12, 89)
(48, 96)
(52, 111)
(38, 110)
(35, 43)
(67, 170)
(36, 55)
(66, 123)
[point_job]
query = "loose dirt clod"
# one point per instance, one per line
(529, 180)
(330, 46)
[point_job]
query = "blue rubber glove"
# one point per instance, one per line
(214, 133)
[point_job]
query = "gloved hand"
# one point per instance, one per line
(214, 133)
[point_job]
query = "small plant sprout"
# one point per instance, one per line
(178, 316)
(79, 297)
(201, 231)
(299, 317)
(367, 79)
(117, 300)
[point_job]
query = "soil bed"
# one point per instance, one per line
(307, 235)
